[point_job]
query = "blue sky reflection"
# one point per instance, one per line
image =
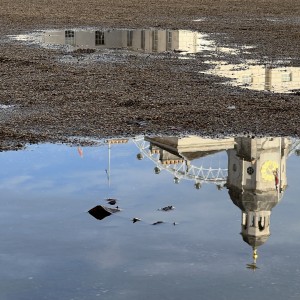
(52, 248)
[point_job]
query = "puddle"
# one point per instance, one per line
(111, 45)
(84, 41)
(268, 77)
(4, 106)
(200, 194)
(200, 20)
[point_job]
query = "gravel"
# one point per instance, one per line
(52, 95)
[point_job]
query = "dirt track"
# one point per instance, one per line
(54, 101)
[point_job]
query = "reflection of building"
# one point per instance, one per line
(190, 147)
(175, 154)
(147, 40)
(256, 181)
(256, 175)
(260, 77)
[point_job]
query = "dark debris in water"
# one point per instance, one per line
(134, 220)
(111, 201)
(100, 212)
(167, 208)
(158, 222)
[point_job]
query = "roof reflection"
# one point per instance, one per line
(175, 155)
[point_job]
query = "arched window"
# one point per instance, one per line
(261, 223)
(245, 220)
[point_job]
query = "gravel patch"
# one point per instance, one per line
(58, 95)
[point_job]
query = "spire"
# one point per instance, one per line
(254, 256)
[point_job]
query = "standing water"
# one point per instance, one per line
(192, 218)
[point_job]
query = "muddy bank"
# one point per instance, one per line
(53, 101)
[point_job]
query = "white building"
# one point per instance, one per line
(260, 77)
(143, 40)
(256, 182)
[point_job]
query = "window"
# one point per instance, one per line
(286, 77)
(169, 40)
(154, 40)
(245, 220)
(261, 223)
(247, 79)
(99, 38)
(70, 37)
(143, 39)
(129, 38)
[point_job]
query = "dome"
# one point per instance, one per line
(255, 241)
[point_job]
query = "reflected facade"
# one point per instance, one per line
(255, 175)
(271, 77)
(143, 40)
(177, 155)
(260, 77)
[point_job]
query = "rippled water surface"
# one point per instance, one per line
(230, 228)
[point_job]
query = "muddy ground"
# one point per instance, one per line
(54, 101)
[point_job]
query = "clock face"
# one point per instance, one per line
(269, 170)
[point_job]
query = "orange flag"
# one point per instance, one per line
(80, 152)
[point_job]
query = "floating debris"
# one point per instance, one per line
(111, 201)
(134, 220)
(158, 222)
(100, 212)
(167, 208)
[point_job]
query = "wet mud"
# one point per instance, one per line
(43, 98)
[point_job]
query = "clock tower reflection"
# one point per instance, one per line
(256, 182)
